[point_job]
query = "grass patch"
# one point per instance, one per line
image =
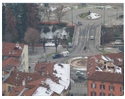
(83, 15)
(104, 52)
(99, 8)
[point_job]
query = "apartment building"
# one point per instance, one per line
(105, 75)
(18, 51)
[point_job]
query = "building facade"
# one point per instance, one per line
(105, 75)
(18, 51)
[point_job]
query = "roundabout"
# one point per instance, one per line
(90, 15)
(78, 63)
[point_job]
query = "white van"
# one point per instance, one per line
(65, 53)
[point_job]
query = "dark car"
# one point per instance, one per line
(121, 16)
(79, 23)
(56, 56)
(81, 77)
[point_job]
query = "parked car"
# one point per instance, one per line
(118, 42)
(81, 77)
(79, 73)
(121, 16)
(56, 56)
(79, 23)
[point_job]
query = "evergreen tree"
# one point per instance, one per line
(3, 21)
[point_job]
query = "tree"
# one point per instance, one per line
(59, 13)
(19, 11)
(32, 36)
(10, 26)
(32, 15)
(3, 21)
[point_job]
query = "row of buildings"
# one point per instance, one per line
(105, 74)
(48, 79)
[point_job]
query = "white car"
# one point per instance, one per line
(92, 37)
(118, 42)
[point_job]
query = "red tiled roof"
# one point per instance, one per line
(10, 61)
(16, 78)
(107, 77)
(47, 68)
(115, 56)
(36, 82)
(91, 63)
(29, 92)
(8, 49)
(16, 91)
(44, 67)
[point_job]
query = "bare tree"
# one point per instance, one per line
(32, 36)
(59, 12)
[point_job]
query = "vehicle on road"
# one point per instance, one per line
(57, 56)
(118, 42)
(121, 16)
(79, 73)
(79, 23)
(85, 48)
(92, 37)
(65, 53)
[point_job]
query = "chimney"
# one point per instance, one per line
(24, 82)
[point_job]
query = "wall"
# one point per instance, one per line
(6, 84)
(24, 59)
(116, 91)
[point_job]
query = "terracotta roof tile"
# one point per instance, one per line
(8, 49)
(16, 78)
(10, 61)
(29, 92)
(36, 82)
(107, 77)
(44, 67)
(91, 63)
(16, 91)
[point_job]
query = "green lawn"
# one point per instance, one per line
(83, 15)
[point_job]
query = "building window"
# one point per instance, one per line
(111, 88)
(104, 62)
(102, 94)
(9, 89)
(93, 93)
(122, 89)
(93, 85)
(111, 94)
(102, 86)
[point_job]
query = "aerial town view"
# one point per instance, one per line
(62, 49)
